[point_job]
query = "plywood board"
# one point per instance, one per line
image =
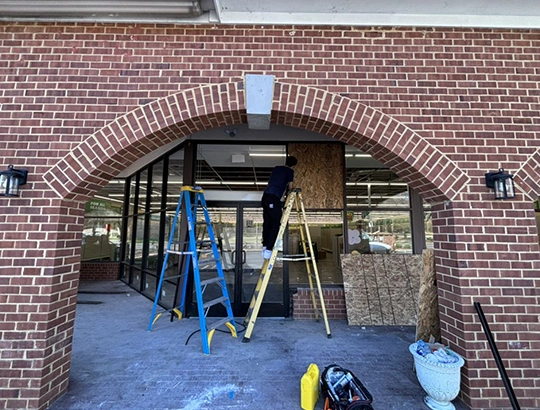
(428, 304)
(320, 174)
(389, 283)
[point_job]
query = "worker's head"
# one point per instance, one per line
(291, 161)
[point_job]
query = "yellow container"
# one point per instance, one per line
(309, 387)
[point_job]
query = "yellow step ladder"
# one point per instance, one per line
(293, 199)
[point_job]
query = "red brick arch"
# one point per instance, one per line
(528, 176)
(107, 152)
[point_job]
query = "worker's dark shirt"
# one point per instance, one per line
(279, 179)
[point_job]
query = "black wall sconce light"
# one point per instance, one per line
(11, 180)
(502, 183)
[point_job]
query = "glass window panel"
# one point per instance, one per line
(172, 259)
(124, 270)
(371, 183)
(102, 224)
(237, 167)
(113, 194)
(153, 243)
(168, 292)
(139, 242)
(129, 234)
(428, 227)
(101, 239)
(157, 186)
(326, 231)
(132, 185)
(143, 191)
(379, 232)
(136, 283)
(253, 260)
(175, 178)
(149, 286)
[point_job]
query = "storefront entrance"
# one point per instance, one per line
(238, 230)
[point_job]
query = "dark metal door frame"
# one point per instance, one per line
(240, 308)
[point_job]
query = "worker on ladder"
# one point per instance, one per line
(280, 182)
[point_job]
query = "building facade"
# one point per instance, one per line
(82, 102)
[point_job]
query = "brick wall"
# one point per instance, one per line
(100, 271)
(441, 107)
(334, 301)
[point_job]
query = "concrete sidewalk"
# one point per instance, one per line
(117, 364)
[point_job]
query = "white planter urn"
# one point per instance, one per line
(441, 381)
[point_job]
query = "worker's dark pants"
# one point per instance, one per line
(272, 211)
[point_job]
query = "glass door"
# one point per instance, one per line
(238, 230)
(224, 224)
(275, 302)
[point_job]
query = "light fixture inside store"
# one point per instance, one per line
(230, 183)
(11, 180)
(377, 183)
(502, 183)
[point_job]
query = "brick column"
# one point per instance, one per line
(488, 252)
(39, 267)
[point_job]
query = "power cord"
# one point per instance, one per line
(219, 330)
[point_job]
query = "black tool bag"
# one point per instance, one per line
(343, 391)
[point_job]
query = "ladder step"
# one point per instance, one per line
(219, 323)
(294, 258)
(180, 252)
(205, 241)
(211, 280)
(215, 302)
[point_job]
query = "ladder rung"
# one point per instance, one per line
(220, 322)
(211, 280)
(295, 258)
(215, 302)
(180, 252)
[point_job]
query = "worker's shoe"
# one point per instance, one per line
(266, 253)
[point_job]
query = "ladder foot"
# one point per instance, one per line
(154, 321)
(176, 312)
(232, 329)
(245, 340)
(329, 336)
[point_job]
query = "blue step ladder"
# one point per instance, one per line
(199, 252)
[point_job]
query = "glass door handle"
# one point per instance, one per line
(233, 257)
(243, 256)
